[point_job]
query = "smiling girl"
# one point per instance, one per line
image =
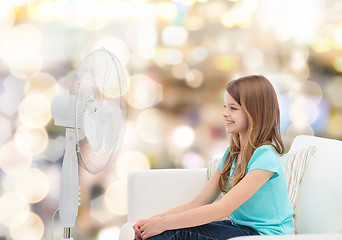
(250, 173)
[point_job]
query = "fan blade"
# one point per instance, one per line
(85, 101)
(94, 129)
(113, 123)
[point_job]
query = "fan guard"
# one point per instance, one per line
(99, 79)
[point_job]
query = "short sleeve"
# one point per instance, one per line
(266, 158)
(220, 165)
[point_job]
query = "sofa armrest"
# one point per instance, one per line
(151, 192)
(327, 236)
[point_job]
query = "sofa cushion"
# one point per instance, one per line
(318, 206)
(294, 164)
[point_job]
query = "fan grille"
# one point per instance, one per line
(101, 74)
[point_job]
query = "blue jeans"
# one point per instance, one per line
(219, 230)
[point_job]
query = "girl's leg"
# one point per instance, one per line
(219, 230)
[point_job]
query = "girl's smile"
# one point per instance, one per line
(234, 116)
(229, 122)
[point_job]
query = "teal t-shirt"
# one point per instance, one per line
(268, 211)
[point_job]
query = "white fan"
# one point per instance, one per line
(93, 112)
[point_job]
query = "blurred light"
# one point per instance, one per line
(194, 23)
(7, 16)
(212, 10)
(20, 48)
(33, 185)
(18, 3)
(295, 56)
(333, 91)
(142, 38)
(194, 78)
(299, 58)
(238, 16)
(144, 92)
(27, 226)
(294, 130)
(151, 126)
(174, 36)
(54, 150)
(172, 56)
(253, 58)
(131, 134)
(42, 83)
(211, 114)
(27, 66)
(89, 15)
(5, 129)
(183, 136)
(197, 55)
(321, 45)
(311, 90)
(8, 183)
(290, 20)
(166, 10)
(226, 62)
(116, 198)
(44, 11)
(34, 110)
(338, 64)
(30, 141)
(334, 127)
(228, 19)
(115, 45)
(95, 21)
(11, 204)
(284, 102)
(124, 9)
(324, 112)
(130, 161)
(11, 97)
(193, 160)
(111, 233)
(338, 35)
(98, 210)
(303, 112)
(12, 161)
(185, 2)
(179, 70)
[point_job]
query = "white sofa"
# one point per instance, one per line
(318, 214)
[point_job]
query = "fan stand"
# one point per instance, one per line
(70, 191)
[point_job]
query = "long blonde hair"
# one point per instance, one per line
(257, 97)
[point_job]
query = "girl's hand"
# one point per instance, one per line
(137, 232)
(149, 227)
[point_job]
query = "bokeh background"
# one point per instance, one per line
(178, 55)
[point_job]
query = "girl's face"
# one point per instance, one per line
(234, 116)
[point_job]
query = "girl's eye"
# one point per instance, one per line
(233, 108)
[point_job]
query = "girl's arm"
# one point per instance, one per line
(209, 212)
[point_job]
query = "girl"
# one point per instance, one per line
(250, 173)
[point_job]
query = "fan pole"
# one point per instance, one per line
(69, 195)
